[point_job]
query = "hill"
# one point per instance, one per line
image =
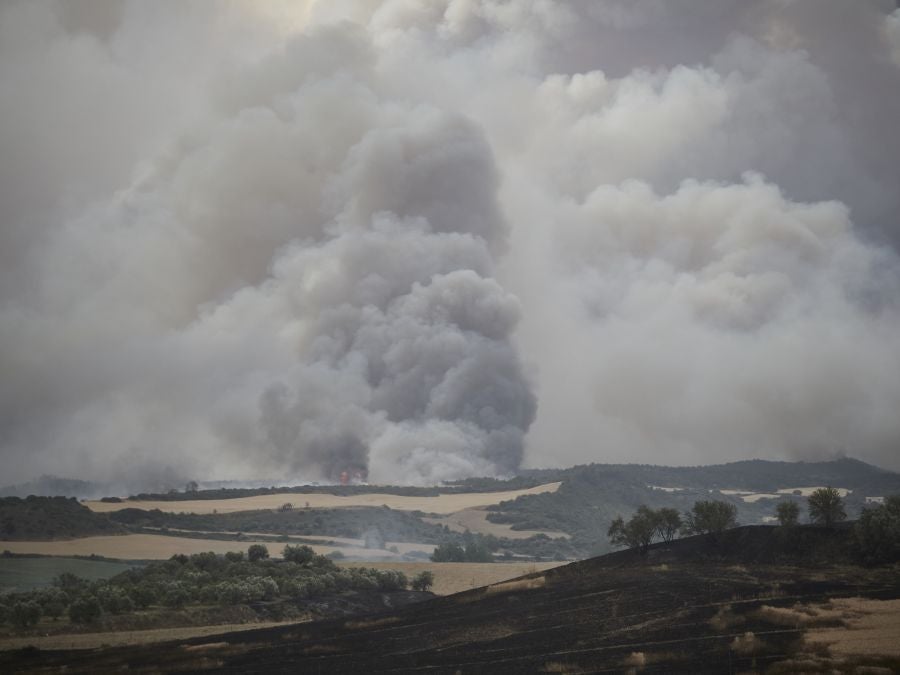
(591, 496)
(40, 518)
(693, 606)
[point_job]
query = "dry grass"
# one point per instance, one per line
(455, 577)
(724, 619)
(747, 643)
(516, 585)
(131, 637)
(805, 616)
(871, 627)
(444, 503)
(559, 667)
(636, 660)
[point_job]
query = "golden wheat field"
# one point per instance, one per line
(455, 577)
(443, 503)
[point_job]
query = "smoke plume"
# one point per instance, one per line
(417, 240)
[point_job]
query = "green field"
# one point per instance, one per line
(22, 574)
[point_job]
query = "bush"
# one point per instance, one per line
(85, 609)
(234, 556)
(114, 600)
(449, 553)
(877, 532)
(142, 595)
(257, 552)
(176, 598)
(423, 581)
(302, 555)
(53, 602)
(25, 614)
(788, 513)
(391, 580)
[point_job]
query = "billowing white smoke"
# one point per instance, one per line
(254, 239)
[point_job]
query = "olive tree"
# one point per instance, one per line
(423, 581)
(257, 552)
(788, 513)
(826, 507)
(637, 533)
(710, 517)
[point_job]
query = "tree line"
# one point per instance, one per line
(875, 536)
(203, 579)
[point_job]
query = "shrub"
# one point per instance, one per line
(257, 552)
(25, 614)
(391, 580)
(85, 609)
(53, 602)
(788, 513)
(114, 600)
(142, 595)
(449, 553)
(302, 555)
(423, 581)
(176, 597)
(234, 556)
(877, 532)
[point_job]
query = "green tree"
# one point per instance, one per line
(710, 517)
(53, 602)
(302, 555)
(423, 581)
(877, 532)
(257, 552)
(85, 609)
(448, 553)
(668, 522)
(826, 507)
(637, 533)
(788, 513)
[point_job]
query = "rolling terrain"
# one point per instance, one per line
(749, 603)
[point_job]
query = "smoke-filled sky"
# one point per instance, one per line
(420, 240)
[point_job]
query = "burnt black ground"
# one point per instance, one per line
(590, 616)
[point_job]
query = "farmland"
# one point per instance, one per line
(692, 606)
(440, 503)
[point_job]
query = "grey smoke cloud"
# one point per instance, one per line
(425, 240)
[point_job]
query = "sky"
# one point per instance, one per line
(420, 240)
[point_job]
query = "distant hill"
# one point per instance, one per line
(38, 518)
(53, 486)
(592, 495)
